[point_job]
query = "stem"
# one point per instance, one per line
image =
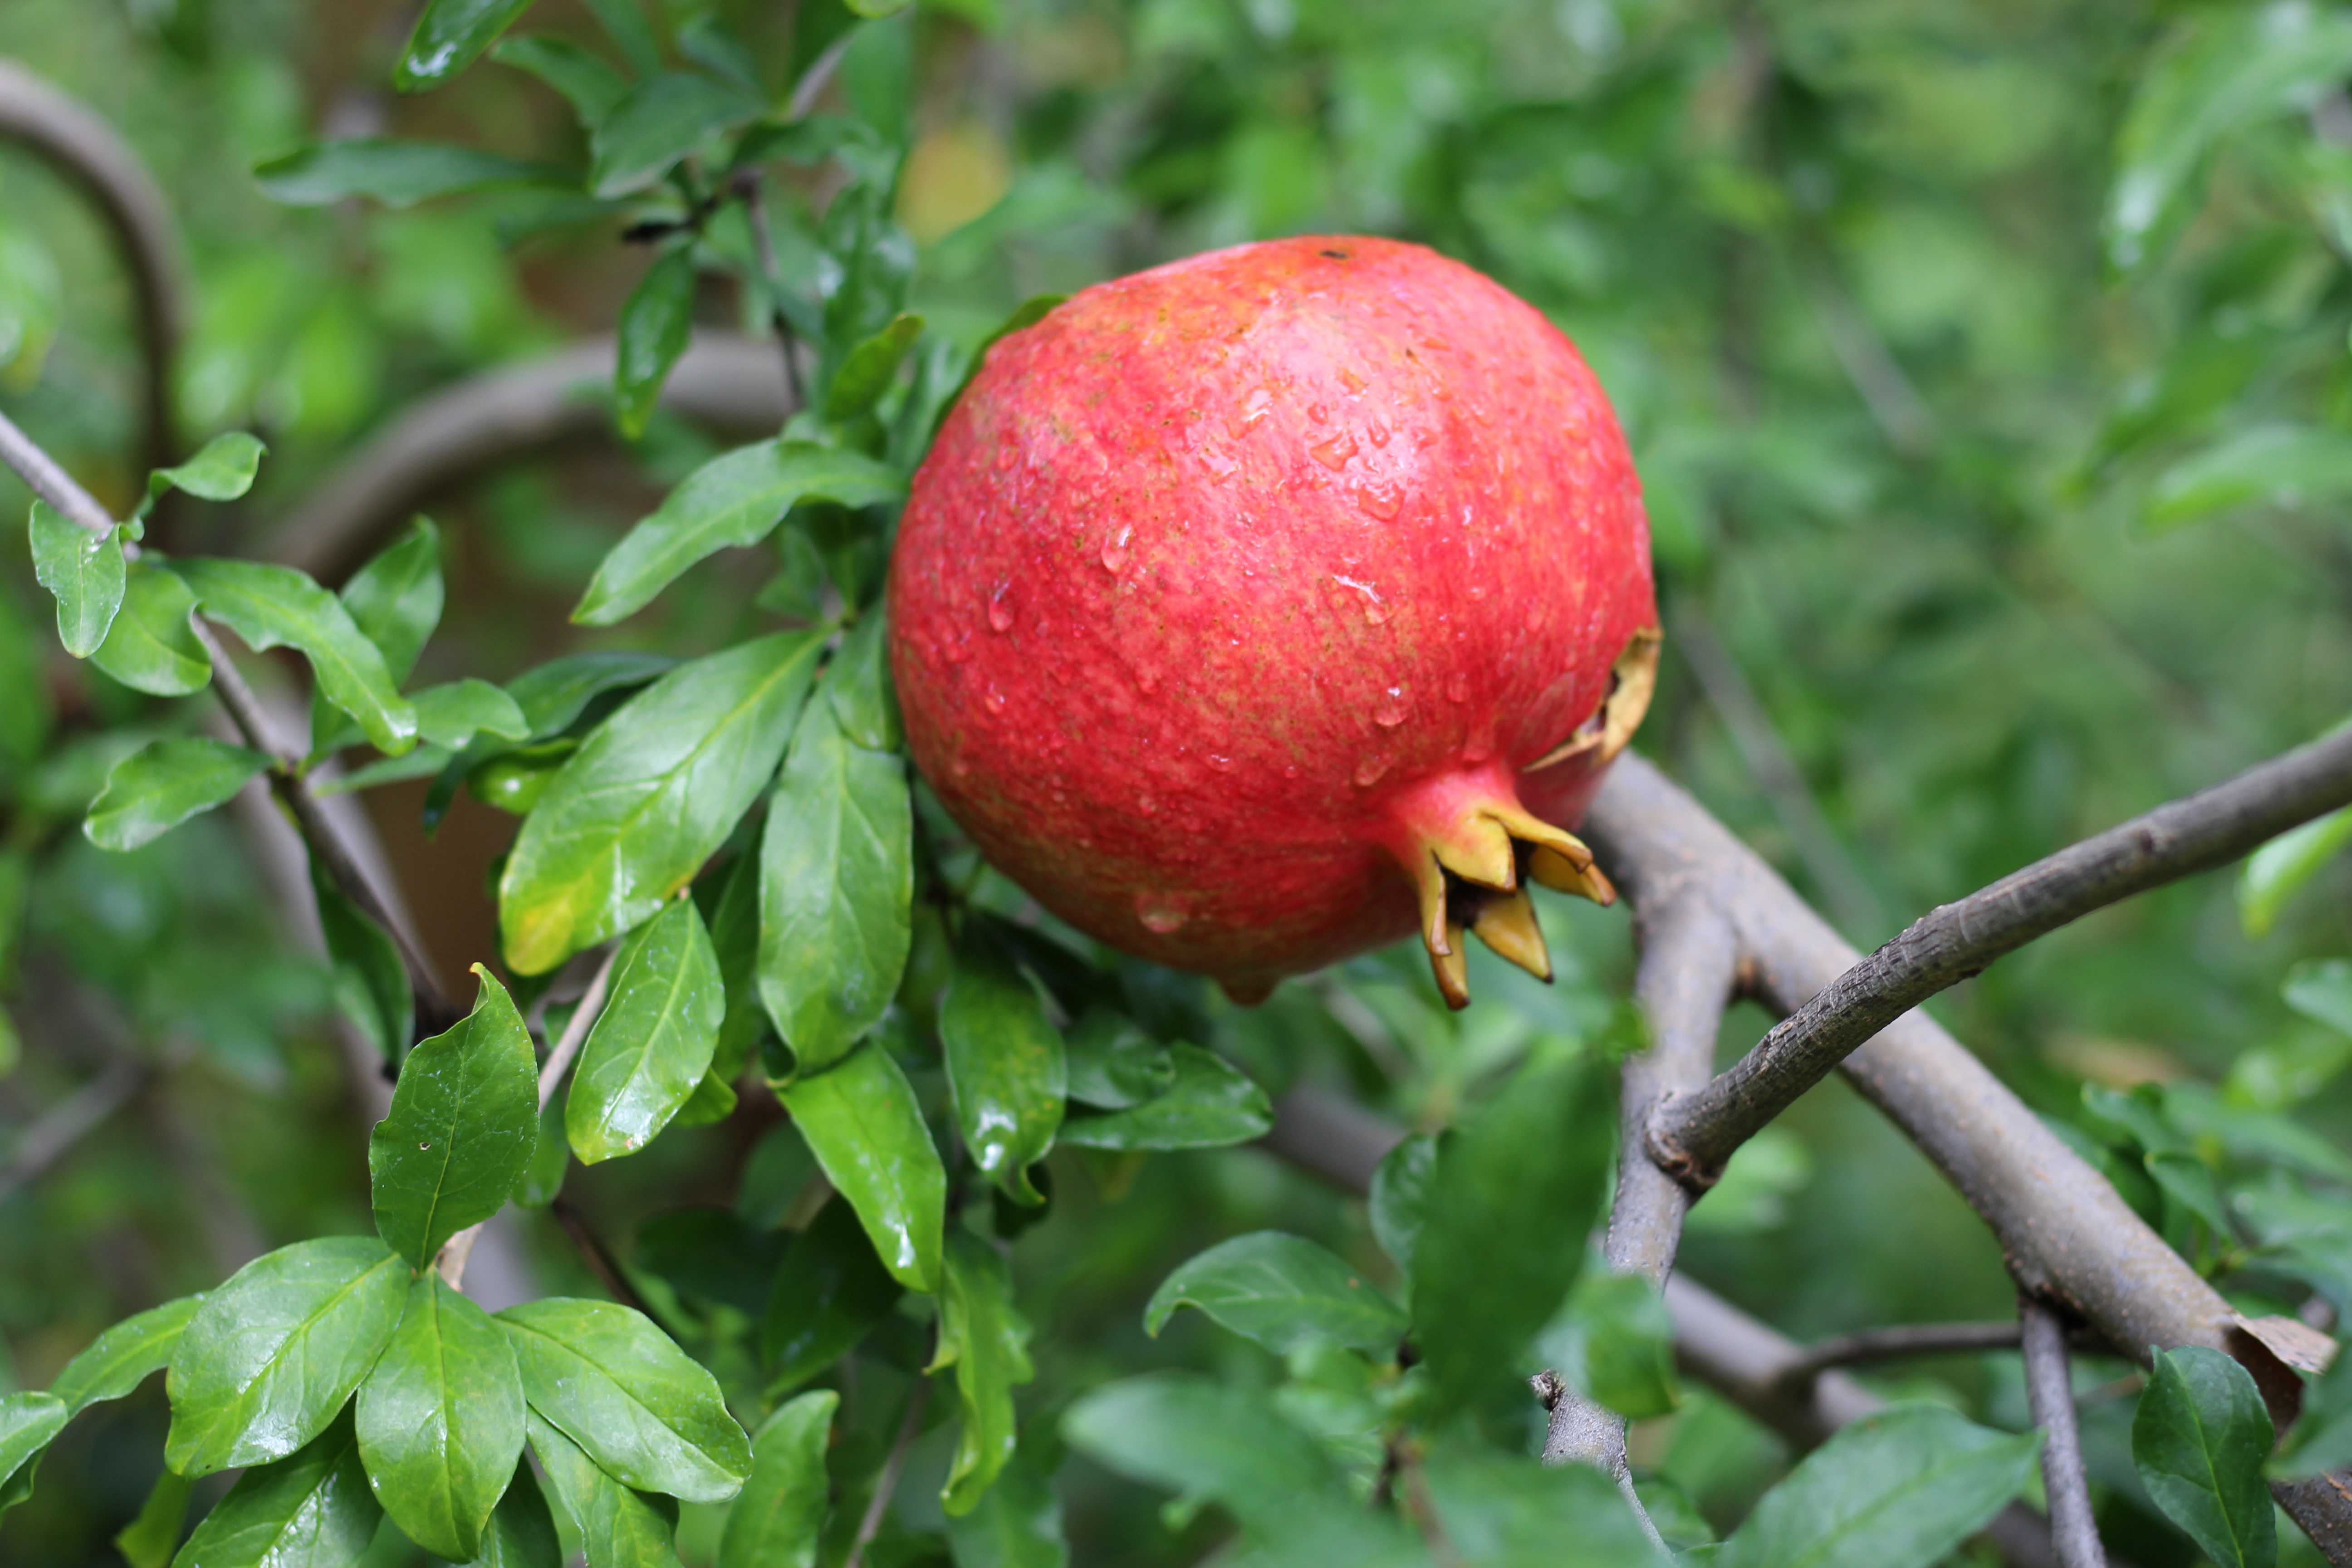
(603, 1264)
(2049, 1390)
(772, 273)
(51, 483)
(575, 1028)
(1902, 1342)
(55, 1132)
(887, 1484)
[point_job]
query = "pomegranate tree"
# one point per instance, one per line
(1259, 609)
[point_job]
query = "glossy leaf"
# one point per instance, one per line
(619, 1527)
(1399, 1196)
(1282, 1292)
(735, 938)
(657, 123)
(521, 1531)
(1004, 1065)
(123, 1357)
(1018, 1524)
(462, 1127)
(1534, 1159)
(397, 174)
(397, 598)
(2198, 1442)
(553, 696)
(371, 980)
(274, 606)
(150, 1538)
(440, 1420)
(654, 326)
(2277, 871)
(586, 82)
(311, 1510)
(83, 571)
(28, 1422)
(150, 648)
(271, 1355)
(867, 373)
(735, 500)
(649, 797)
(621, 1389)
(653, 1040)
(1209, 1105)
(983, 1336)
(1206, 1441)
(222, 469)
(1113, 1064)
(1503, 1511)
(862, 1122)
(830, 1290)
(453, 714)
(163, 783)
(858, 685)
(448, 38)
(775, 1520)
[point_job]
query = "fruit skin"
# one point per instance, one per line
(1230, 587)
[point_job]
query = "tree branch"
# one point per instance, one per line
(1901, 1341)
(55, 1132)
(46, 480)
(2049, 1390)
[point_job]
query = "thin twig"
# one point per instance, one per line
(1692, 1135)
(884, 1485)
(55, 1131)
(51, 483)
(604, 1265)
(771, 275)
(2050, 1392)
(1903, 1341)
(813, 80)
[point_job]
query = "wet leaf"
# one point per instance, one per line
(222, 469)
(776, 1519)
(867, 373)
(28, 1422)
(619, 1527)
(1282, 1292)
(1112, 1063)
(448, 37)
(521, 1532)
(453, 714)
(395, 600)
(830, 1290)
(440, 1420)
(150, 648)
(1209, 1105)
(163, 783)
(2198, 1442)
(658, 123)
(1004, 1065)
(311, 1510)
(653, 1040)
(462, 1127)
(122, 1358)
(983, 1336)
(83, 570)
(862, 1122)
(654, 326)
(277, 607)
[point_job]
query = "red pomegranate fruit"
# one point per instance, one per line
(1264, 608)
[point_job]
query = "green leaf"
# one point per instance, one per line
(735, 938)
(986, 1340)
(397, 174)
(619, 1528)
(621, 1389)
(858, 685)
(1209, 1105)
(2321, 990)
(657, 123)
(28, 1422)
(462, 1127)
(446, 39)
(2272, 874)
(83, 570)
(453, 714)
(1399, 1196)
(870, 368)
(273, 606)
(440, 1420)
(150, 648)
(2222, 70)
(1533, 1160)
(829, 1292)
(2199, 1441)
(862, 1122)
(735, 500)
(163, 783)
(776, 1519)
(1004, 1065)
(2321, 1439)
(2285, 465)
(836, 889)
(877, 8)
(653, 1040)
(1112, 1063)
(1206, 1441)
(1898, 1489)
(1017, 1525)
(625, 22)
(654, 326)
(586, 82)
(272, 1354)
(521, 1532)
(311, 1510)
(554, 695)
(371, 980)
(222, 470)
(1282, 1292)
(147, 1542)
(122, 1358)
(1501, 1511)
(395, 599)
(1618, 1344)
(649, 797)
(551, 1160)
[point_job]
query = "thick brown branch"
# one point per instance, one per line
(2049, 1390)
(1692, 1135)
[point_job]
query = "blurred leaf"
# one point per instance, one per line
(1282, 1292)
(2275, 872)
(521, 1532)
(83, 570)
(445, 40)
(149, 646)
(461, 1130)
(858, 685)
(711, 1254)
(314, 1508)
(649, 797)
(1504, 1510)
(554, 696)
(735, 500)
(829, 1292)
(2283, 465)
(1208, 1442)
(652, 1043)
(619, 1528)
(272, 1355)
(872, 8)
(151, 1538)
(122, 1358)
(625, 24)
(163, 783)
(836, 885)
(1004, 1064)
(550, 1160)
(735, 941)
(1018, 1524)
(440, 1420)
(1113, 1064)
(862, 1122)
(2198, 1442)
(275, 606)
(397, 174)
(986, 1339)
(775, 1519)
(618, 1386)
(222, 469)
(654, 326)
(869, 370)
(1533, 1160)
(1399, 1196)
(586, 82)
(453, 714)
(371, 980)
(2321, 990)
(1620, 1344)
(659, 121)
(27, 1424)
(1210, 1104)
(2321, 1439)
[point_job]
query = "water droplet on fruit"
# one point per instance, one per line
(1379, 498)
(1223, 764)
(1006, 457)
(1115, 550)
(1369, 771)
(1160, 912)
(1147, 676)
(1376, 609)
(1290, 772)
(1458, 687)
(1318, 414)
(1535, 614)
(1353, 381)
(1000, 610)
(1255, 407)
(961, 768)
(1390, 711)
(1148, 805)
(1477, 590)
(1379, 431)
(994, 700)
(1334, 454)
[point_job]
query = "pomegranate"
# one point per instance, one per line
(1270, 606)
